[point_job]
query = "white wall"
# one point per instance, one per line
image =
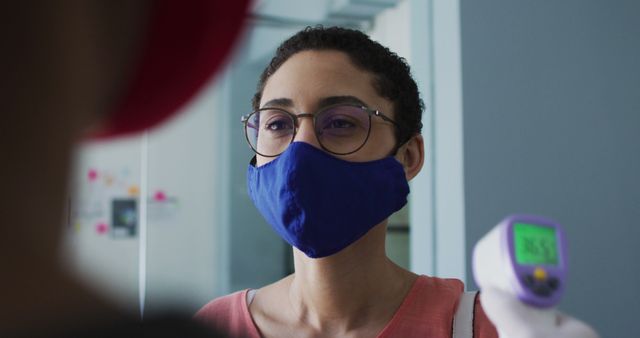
(109, 264)
(182, 249)
(392, 29)
(426, 33)
(182, 244)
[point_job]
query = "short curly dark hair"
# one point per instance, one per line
(392, 74)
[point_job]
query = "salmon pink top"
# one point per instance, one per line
(427, 311)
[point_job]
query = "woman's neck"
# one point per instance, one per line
(345, 291)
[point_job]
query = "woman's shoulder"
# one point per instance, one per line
(429, 308)
(224, 305)
(228, 314)
(443, 289)
(447, 293)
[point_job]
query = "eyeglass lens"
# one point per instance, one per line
(340, 130)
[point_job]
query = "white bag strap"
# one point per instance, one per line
(463, 319)
(250, 294)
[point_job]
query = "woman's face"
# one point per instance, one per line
(311, 80)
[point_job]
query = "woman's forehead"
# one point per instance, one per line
(308, 76)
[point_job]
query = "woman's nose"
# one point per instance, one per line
(306, 132)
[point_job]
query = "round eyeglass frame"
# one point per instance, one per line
(371, 112)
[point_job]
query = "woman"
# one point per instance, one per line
(336, 131)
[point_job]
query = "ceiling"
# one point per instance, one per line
(274, 20)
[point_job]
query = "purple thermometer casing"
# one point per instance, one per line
(539, 293)
(558, 271)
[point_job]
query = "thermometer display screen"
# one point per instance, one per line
(535, 244)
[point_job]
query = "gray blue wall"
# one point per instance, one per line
(552, 127)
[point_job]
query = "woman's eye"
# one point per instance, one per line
(278, 125)
(339, 123)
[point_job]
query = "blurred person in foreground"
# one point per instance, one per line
(336, 128)
(116, 67)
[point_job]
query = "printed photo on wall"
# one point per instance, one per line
(124, 218)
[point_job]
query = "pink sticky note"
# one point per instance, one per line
(160, 196)
(92, 175)
(102, 228)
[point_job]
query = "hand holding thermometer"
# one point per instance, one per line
(525, 256)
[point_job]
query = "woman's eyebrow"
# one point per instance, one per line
(279, 102)
(345, 99)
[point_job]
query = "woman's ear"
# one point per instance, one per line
(411, 155)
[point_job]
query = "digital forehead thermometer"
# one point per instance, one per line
(526, 256)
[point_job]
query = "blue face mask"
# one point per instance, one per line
(321, 204)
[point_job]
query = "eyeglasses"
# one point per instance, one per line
(341, 129)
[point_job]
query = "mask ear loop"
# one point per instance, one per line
(395, 149)
(399, 144)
